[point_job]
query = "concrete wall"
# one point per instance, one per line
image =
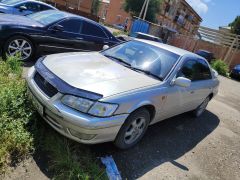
(191, 44)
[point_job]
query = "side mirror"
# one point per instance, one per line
(22, 8)
(58, 28)
(182, 82)
(105, 47)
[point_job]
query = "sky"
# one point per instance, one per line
(216, 13)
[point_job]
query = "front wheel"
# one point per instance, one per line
(133, 129)
(200, 109)
(19, 45)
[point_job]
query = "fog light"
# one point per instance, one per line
(81, 135)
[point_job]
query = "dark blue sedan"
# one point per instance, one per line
(51, 32)
(23, 7)
(235, 73)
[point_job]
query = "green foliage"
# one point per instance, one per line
(135, 6)
(235, 25)
(70, 160)
(15, 140)
(221, 67)
(95, 7)
(23, 132)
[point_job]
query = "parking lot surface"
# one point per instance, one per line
(182, 147)
(189, 148)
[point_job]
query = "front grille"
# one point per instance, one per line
(44, 85)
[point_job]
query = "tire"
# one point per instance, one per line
(201, 108)
(19, 44)
(133, 129)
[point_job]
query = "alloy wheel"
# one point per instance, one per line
(135, 130)
(21, 46)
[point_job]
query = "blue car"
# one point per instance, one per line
(235, 73)
(23, 7)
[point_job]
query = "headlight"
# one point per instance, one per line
(103, 109)
(84, 105)
(77, 103)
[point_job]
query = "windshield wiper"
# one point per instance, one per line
(147, 72)
(118, 59)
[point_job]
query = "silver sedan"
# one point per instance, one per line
(114, 95)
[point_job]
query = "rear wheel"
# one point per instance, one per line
(19, 45)
(201, 108)
(133, 129)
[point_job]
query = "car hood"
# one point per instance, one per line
(18, 20)
(95, 73)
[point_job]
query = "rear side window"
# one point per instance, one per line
(44, 8)
(72, 25)
(205, 72)
(93, 30)
(195, 70)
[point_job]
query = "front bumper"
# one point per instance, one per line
(65, 120)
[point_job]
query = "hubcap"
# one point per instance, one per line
(20, 46)
(135, 130)
(202, 107)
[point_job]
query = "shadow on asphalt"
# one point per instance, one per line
(165, 141)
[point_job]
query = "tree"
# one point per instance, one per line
(134, 7)
(235, 26)
(95, 7)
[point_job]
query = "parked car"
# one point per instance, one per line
(114, 95)
(23, 7)
(235, 72)
(140, 35)
(50, 32)
(209, 56)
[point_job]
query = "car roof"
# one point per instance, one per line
(173, 49)
(67, 14)
(39, 2)
(149, 35)
(202, 50)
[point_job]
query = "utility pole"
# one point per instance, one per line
(144, 7)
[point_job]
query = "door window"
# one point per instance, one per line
(205, 72)
(195, 70)
(72, 25)
(93, 30)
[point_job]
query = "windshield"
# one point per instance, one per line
(10, 2)
(47, 17)
(145, 57)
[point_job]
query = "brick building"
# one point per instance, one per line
(179, 15)
(175, 14)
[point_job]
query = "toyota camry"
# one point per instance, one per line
(114, 95)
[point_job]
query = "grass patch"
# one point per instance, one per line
(23, 132)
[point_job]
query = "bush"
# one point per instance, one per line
(22, 132)
(221, 67)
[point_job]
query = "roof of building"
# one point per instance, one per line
(190, 7)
